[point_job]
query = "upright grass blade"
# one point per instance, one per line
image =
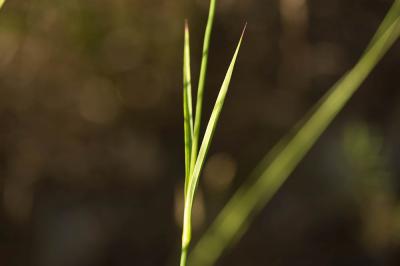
(275, 168)
(202, 80)
(193, 181)
(187, 105)
(2, 3)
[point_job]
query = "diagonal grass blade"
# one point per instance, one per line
(275, 168)
(390, 17)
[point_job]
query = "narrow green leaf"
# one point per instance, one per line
(187, 105)
(275, 168)
(186, 235)
(212, 124)
(202, 80)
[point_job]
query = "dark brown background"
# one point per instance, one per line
(91, 138)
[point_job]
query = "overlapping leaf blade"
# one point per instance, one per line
(187, 105)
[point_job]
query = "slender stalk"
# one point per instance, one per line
(2, 3)
(202, 79)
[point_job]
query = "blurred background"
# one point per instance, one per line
(91, 132)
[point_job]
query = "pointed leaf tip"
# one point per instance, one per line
(186, 25)
(244, 29)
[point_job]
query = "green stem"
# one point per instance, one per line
(187, 230)
(202, 79)
(183, 257)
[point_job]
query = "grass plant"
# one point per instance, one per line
(195, 157)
